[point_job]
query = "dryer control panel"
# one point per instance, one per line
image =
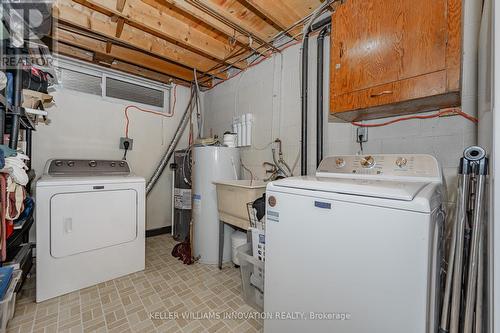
(418, 166)
(68, 167)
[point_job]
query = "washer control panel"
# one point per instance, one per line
(382, 166)
(67, 167)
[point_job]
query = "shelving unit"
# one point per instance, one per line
(14, 118)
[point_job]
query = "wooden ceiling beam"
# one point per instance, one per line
(189, 10)
(141, 71)
(119, 27)
(87, 56)
(275, 11)
(120, 5)
(238, 15)
(95, 22)
(74, 52)
(124, 54)
(151, 20)
(260, 8)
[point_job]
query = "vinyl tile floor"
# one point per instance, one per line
(167, 297)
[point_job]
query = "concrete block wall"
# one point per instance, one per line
(87, 126)
(271, 91)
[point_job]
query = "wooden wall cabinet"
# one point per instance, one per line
(395, 57)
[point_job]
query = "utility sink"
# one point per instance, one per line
(232, 199)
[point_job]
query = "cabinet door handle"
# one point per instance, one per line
(385, 92)
(341, 54)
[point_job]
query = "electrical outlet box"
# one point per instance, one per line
(362, 134)
(130, 143)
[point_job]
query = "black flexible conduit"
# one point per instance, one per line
(303, 98)
(304, 89)
(319, 94)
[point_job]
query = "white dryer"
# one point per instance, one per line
(355, 249)
(90, 225)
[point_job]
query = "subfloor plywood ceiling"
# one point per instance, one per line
(167, 40)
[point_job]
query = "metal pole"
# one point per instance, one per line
(478, 157)
(461, 218)
(29, 146)
(480, 286)
(18, 95)
(443, 327)
(470, 297)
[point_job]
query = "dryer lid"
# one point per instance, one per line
(395, 190)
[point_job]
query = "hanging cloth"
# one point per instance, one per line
(3, 222)
(15, 200)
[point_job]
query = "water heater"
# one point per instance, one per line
(182, 194)
(211, 163)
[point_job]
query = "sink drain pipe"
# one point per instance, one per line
(173, 144)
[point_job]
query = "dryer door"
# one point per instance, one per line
(86, 221)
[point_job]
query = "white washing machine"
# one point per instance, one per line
(355, 249)
(90, 225)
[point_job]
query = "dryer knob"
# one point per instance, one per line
(367, 162)
(92, 164)
(340, 162)
(71, 163)
(58, 163)
(113, 164)
(122, 164)
(401, 162)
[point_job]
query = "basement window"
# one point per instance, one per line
(113, 85)
(134, 93)
(81, 82)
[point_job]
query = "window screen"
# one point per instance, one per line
(81, 82)
(133, 92)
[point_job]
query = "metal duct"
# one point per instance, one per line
(171, 147)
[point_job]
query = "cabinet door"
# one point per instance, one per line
(423, 38)
(375, 42)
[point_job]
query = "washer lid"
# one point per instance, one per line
(385, 189)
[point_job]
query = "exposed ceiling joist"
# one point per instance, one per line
(190, 10)
(120, 5)
(153, 21)
(88, 56)
(123, 54)
(173, 37)
(278, 12)
(238, 15)
(119, 27)
(89, 20)
(74, 52)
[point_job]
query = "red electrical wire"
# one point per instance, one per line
(441, 113)
(166, 115)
